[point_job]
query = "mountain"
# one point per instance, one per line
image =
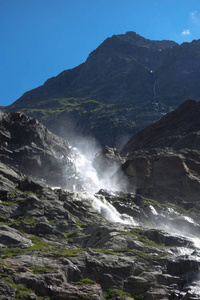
(178, 130)
(127, 83)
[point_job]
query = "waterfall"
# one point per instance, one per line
(107, 210)
(88, 175)
(166, 219)
(154, 88)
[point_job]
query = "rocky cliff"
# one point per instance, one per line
(63, 244)
(163, 159)
(127, 83)
(178, 129)
(32, 149)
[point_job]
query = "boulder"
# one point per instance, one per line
(11, 237)
(165, 176)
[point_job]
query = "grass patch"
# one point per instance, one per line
(104, 251)
(120, 251)
(39, 245)
(70, 234)
(83, 225)
(116, 294)
(164, 205)
(72, 252)
(21, 290)
(8, 252)
(139, 233)
(84, 281)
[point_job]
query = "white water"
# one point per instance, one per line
(107, 210)
(92, 182)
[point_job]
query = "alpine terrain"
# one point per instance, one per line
(100, 178)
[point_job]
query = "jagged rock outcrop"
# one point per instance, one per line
(32, 149)
(163, 159)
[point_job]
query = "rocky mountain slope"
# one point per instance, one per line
(31, 148)
(163, 159)
(178, 129)
(65, 244)
(127, 83)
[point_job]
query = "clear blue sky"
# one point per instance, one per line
(41, 38)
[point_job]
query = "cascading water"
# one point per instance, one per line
(88, 176)
(170, 223)
(107, 210)
(168, 220)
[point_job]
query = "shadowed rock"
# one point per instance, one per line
(32, 149)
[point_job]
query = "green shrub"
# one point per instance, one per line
(84, 281)
(116, 294)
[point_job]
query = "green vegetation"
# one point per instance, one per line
(8, 252)
(83, 225)
(139, 233)
(119, 251)
(116, 294)
(167, 205)
(84, 281)
(104, 251)
(71, 233)
(25, 219)
(72, 252)
(39, 245)
(21, 290)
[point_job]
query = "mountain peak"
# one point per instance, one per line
(137, 40)
(127, 83)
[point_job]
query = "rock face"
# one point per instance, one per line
(32, 149)
(127, 83)
(164, 158)
(178, 129)
(108, 160)
(167, 176)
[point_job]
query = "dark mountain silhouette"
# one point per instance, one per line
(127, 83)
(178, 130)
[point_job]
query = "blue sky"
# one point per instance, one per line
(41, 38)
